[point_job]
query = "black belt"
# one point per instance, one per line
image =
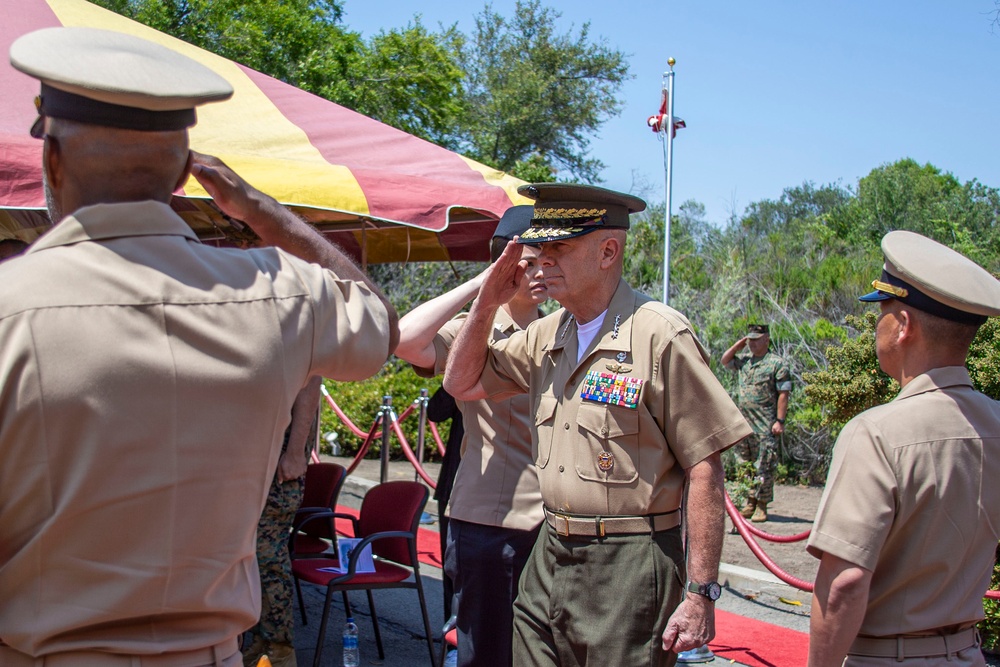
(921, 646)
(575, 525)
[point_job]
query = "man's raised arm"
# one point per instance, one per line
(279, 227)
(467, 357)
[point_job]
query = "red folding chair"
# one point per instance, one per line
(319, 496)
(388, 521)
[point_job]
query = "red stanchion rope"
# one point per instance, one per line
(363, 449)
(437, 438)
(746, 531)
(342, 417)
(770, 537)
(765, 560)
(405, 446)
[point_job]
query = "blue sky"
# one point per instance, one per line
(778, 93)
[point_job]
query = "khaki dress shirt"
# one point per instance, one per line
(912, 495)
(669, 412)
(496, 483)
(147, 381)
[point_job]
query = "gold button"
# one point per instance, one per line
(604, 431)
(562, 469)
(566, 426)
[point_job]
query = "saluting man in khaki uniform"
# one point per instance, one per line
(148, 378)
(626, 411)
(495, 508)
(909, 521)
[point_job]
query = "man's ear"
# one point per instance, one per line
(908, 325)
(184, 174)
(52, 162)
(611, 249)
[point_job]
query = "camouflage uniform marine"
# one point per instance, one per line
(761, 379)
(276, 624)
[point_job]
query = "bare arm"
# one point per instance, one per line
(838, 608)
(778, 428)
(292, 463)
(730, 354)
(418, 327)
(468, 353)
(279, 227)
(693, 622)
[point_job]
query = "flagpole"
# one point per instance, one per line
(668, 159)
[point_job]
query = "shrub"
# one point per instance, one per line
(361, 402)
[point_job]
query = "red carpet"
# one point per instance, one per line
(743, 640)
(428, 542)
(758, 644)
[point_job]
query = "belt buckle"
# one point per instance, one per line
(565, 520)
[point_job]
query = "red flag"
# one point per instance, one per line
(659, 120)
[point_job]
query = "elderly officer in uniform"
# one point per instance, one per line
(764, 385)
(908, 524)
(148, 378)
(626, 411)
(495, 508)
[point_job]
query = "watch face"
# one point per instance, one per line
(713, 591)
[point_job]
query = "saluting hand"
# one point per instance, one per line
(503, 278)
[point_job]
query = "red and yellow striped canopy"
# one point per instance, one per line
(383, 194)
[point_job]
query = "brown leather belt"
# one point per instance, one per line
(574, 525)
(221, 655)
(915, 647)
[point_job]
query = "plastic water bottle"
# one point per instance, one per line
(351, 658)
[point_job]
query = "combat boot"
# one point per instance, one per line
(252, 653)
(760, 515)
(282, 655)
(748, 509)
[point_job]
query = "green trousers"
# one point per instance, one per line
(598, 601)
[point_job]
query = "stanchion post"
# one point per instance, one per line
(421, 430)
(385, 414)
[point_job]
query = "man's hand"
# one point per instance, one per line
(777, 428)
(291, 467)
(504, 277)
(691, 625)
(233, 195)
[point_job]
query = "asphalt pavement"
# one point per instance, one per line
(747, 592)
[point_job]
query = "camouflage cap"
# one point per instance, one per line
(755, 331)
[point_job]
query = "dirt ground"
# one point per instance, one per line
(792, 512)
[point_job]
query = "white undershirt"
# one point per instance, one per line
(585, 334)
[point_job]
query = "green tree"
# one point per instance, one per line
(407, 78)
(532, 91)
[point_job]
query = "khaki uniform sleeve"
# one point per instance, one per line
(350, 325)
(857, 507)
(699, 416)
(508, 366)
(443, 340)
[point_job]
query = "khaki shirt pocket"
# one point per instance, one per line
(545, 420)
(608, 429)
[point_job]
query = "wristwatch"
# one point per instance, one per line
(779, 420)
(712, 590)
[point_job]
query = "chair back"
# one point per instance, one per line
(321, 490)
(392, 506)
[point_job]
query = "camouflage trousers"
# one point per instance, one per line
(760, 449)
(276, 624)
